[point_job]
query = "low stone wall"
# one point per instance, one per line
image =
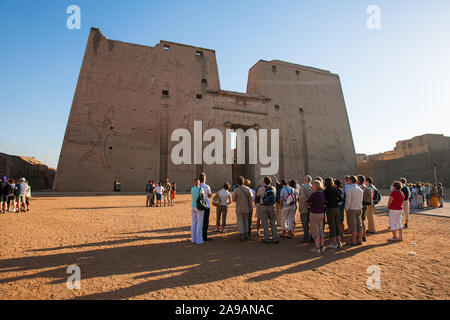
(413, 168)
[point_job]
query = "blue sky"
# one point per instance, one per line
(396, 80)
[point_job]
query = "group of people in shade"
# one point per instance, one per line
(161, 192)
(319, 201)
(426, 195)
(15, 195)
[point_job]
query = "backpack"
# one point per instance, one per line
(406, 193)
(376, 196)
(201, 203)
(149, 187)
(290, 198)
(269, 196)
(367, 196)
(216, 200)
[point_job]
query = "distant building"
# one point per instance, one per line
(414, 159)
(418, 145)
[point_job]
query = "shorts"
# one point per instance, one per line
(3, 198)
(316, 225)
(354, 220)
(158, 196)
(395, 219)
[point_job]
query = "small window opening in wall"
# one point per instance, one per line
(277, 107)
(301, 110)
(166, 47)
(297, 72)
(165, 93)
(199, 96)
(274, 68)
(110, 148)
(199, 53)
(112, 128)
(204, 80)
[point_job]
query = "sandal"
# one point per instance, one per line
(392, 239)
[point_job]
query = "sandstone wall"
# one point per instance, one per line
(414, 168)
(39, 175)
(130, 98)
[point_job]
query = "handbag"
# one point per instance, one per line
(216, 200)
(201, 203)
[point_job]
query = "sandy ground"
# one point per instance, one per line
(127, 251)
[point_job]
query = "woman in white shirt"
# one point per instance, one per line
(159, 189)
(222, 209)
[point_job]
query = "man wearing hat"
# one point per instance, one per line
(22, 199)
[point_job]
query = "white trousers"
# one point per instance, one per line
(395, 219)
(196, 226)
(287, 218)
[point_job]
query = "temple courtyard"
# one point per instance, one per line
(125, 250)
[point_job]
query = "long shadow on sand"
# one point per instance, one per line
(180, 262)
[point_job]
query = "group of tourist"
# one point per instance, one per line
(319, 201)
(424, 195)
(15, 195)
(160, 192)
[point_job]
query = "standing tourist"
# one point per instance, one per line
(419, 195)
(367, 203)
(166, 192)
(353, 206)
(222, 209)
(242, 195)
(340, 188)
(208, 196)
(316, 204)
(278, 188)
(257, 210)
(28, 196)
(395, 205)
(406, 205)
(173, 193)
(248, 183)
(288, 201)
(375, 200)
(305, 192)
(267, 197)
(4, 193)
(149, 188)
(159, 189)
(427, 194)
(22, 196)
(434, 200)
(197, 214)
(332, 199)
(11, 196)
(414, 194)
(440, 194)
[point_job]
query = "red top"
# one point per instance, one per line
(398, 197)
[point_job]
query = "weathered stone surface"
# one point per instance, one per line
(414, 168)
(130, 98)
(39, 175)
